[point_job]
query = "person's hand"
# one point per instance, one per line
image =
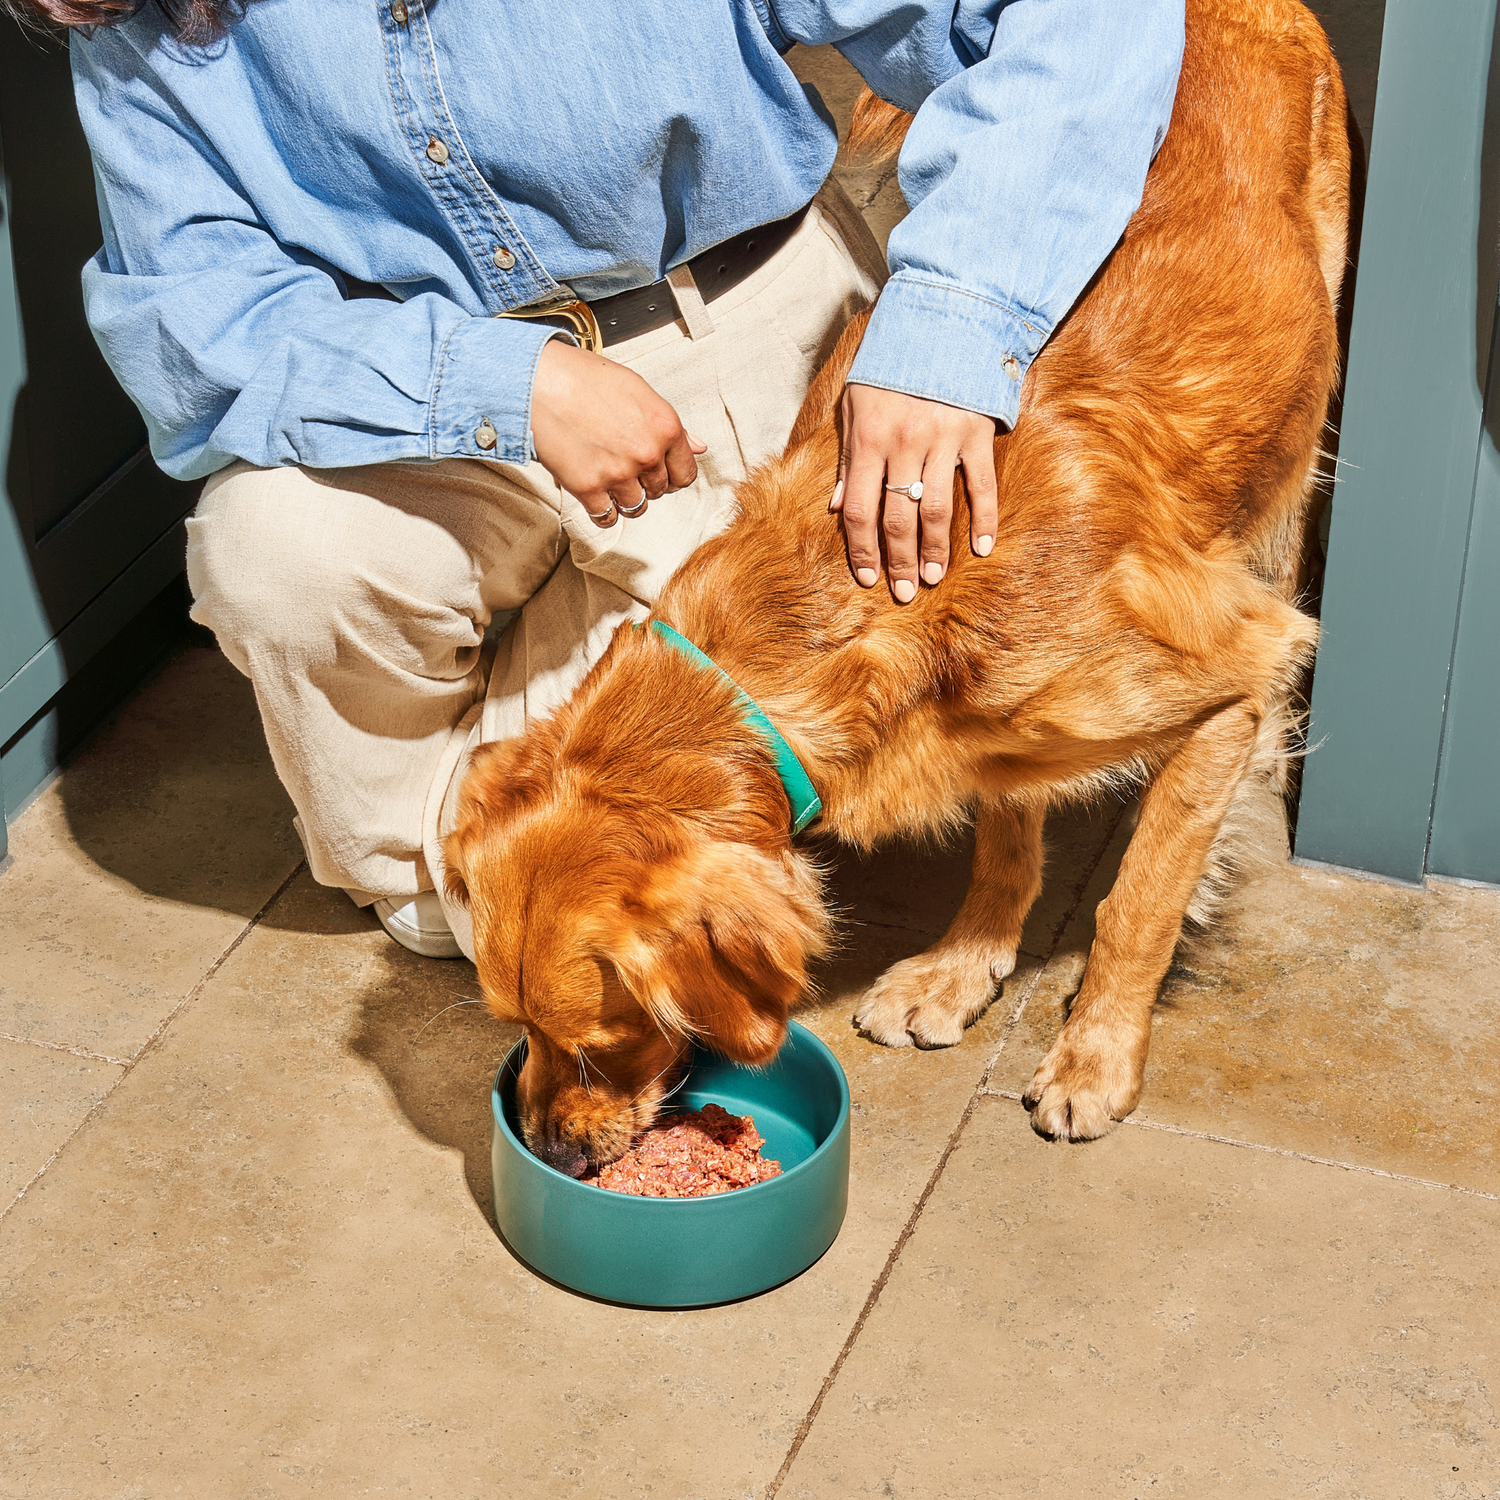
(895, 439)
(604, 435)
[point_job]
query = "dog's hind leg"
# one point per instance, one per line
(928, 1000)
(1093, 1074)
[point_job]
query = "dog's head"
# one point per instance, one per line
(620, 933)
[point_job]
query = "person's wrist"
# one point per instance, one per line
(552, 370)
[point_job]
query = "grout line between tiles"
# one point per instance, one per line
(916, 932)
(1317, 1161)
(1011, 1022)
(1083, 887)
(881, 184)
(31, 1041)
(982, 1090)
(805, 1426)
(151, 1041)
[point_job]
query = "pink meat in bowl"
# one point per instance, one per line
(690, 1156)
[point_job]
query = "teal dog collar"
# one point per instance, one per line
(794, 779)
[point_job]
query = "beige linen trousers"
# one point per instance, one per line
(366, 605)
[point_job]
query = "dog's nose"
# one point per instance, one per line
(563, 1155)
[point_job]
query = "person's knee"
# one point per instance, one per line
(293, 567)
(256, 571)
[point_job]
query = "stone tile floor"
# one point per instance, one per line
(245, 1236)
(246, 1246)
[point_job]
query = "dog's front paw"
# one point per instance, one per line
(929, 1000)
(1088, 1081)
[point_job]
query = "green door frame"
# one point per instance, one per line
(1404, 715)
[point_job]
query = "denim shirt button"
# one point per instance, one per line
(503, 259)
(486, 436)
(398, 12)
(1012, 366)
(437, 151)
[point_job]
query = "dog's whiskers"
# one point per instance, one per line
(668, 1094)
(444, 1011)
(586, 1064)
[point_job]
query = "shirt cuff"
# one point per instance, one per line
(481, 398)
(936, 340)
(765, 10)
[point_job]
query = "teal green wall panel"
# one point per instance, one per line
(1466, 813)
(31, 688)
(1412, 416)
(90, 529)
(69, 719)
(24, 626)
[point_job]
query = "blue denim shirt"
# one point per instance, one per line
(473, 156)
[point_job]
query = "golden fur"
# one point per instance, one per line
(628, 863)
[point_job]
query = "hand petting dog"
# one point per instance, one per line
(897, 464)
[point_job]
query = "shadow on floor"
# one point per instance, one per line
(177, 796)
(424, 1026)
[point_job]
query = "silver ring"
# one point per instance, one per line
(600, 514)
(645, 501)
(912, 491)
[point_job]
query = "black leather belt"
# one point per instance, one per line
(627, 315)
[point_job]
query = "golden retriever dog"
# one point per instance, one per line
(629, 864)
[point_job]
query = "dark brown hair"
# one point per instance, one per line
(190, 20)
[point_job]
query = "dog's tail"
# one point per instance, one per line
(877, 128)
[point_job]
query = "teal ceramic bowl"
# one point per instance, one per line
(688, 1252)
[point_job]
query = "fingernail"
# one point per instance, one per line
(932, 572)
(696, 444)
(985, 545)
(866, 576)
(838, 496)
(904, 590)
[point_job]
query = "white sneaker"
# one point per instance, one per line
(417, 922)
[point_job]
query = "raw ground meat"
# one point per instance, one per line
(690, 1156)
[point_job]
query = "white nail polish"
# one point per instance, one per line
(838, 496)
(932, 572)
(904, 590)
(985, 545)
(866, 576)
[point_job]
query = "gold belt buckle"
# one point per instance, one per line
(578, 315)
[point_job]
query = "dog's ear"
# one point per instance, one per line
(718, 945)
(492, 789)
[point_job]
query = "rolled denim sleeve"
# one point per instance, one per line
(1036, 121)
(235, 346)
